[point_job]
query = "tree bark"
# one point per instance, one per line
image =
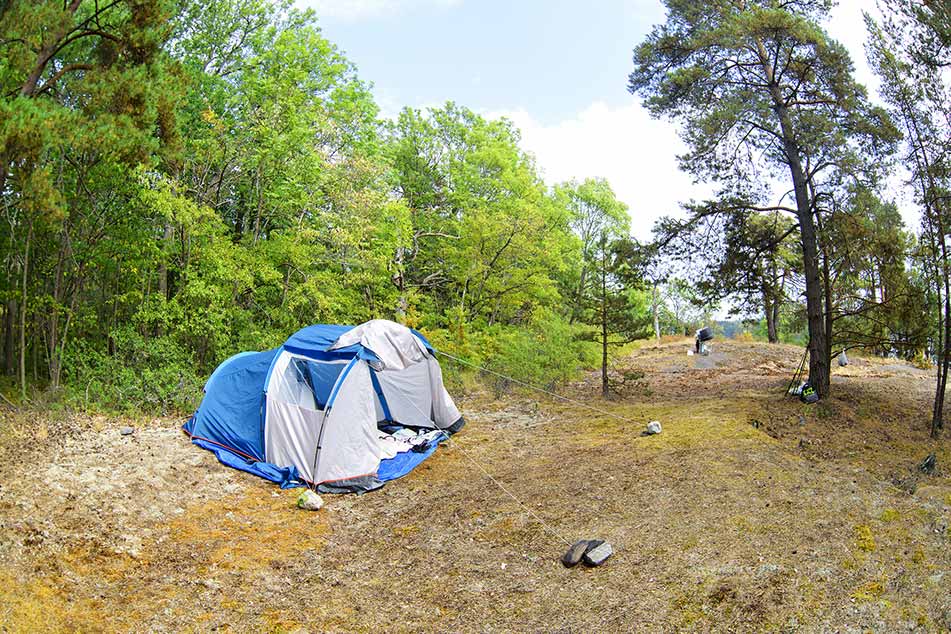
(770, 306)
(604, 319)
(819, 376)
(655, 309)
(9, 342)
(23, 305)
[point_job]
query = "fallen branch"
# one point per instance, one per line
(7, 401)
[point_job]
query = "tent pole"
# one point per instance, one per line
(320, 437)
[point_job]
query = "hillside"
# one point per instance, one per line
(749, 512)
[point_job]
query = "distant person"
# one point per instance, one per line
(702, 336)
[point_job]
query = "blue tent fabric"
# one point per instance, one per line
(320, 337)
(287, 477)
(230, 420)
(230, 414)
(321, 377)
(404, 462)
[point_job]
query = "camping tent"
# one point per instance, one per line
(342, 407)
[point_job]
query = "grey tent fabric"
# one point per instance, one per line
(394, 344)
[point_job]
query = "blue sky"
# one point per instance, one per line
(552, 58)
(558, 69)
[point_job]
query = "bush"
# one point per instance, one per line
(152, 374)
(543, 353)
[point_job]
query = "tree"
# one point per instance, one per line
(737, 254)
(758, 86)
(603, 292)
(614, 302)
(595, 214)
(486, 241)
(85, 92)
(909, 51)
(875, 303)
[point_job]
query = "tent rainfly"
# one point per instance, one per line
(344, 408)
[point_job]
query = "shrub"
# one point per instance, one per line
(545, 352)
(153, 374)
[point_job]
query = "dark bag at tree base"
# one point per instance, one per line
(808, 394)
(705, 334)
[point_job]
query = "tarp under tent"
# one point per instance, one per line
(341, 407)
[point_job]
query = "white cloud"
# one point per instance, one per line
(351, 10)
(847, 25)
(636, 154)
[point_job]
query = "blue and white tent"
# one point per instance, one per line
(341, 407)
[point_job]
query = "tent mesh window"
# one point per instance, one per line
(305, 382)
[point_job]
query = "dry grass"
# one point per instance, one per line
(748, 513)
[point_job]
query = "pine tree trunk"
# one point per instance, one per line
(655, 309)
(604, 319)
(775, 290)
(819, 375)
(768, 308)
(23, 305)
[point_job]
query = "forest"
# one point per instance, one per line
(182, 181)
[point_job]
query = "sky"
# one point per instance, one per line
(558, 69)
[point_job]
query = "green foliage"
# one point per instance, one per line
(545, 352)
(154, 375)
(188, 180)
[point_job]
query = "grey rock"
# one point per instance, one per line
(575, 553)
(653, 427)
(598, 555)
(127, 431)
(929, 464)
(309, 501)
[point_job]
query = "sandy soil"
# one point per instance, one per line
(750, 512)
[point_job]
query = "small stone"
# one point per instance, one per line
(598, 555)
(309, 501)
(127, 431)
(575, 553)
(940, 526)
(211, 584)
(653, 427)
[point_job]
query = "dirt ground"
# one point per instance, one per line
(749, 512)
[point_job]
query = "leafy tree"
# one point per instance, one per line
(910, 53)
(615, 304)
(760, 86)
(487, 242)
(733, 253)
(85, 93)
(875, 303)
(604, 291)
(595, 214)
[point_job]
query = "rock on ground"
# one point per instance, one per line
(309, 501)
(598, 555)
